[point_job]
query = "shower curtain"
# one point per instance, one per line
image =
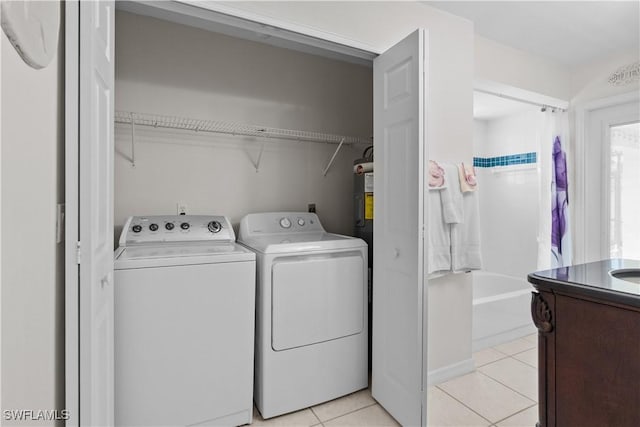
(554, 231)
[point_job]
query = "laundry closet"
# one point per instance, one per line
(418, 85)
(169, 72)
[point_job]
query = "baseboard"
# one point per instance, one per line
(451, 371)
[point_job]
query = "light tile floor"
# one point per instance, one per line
(502, 392)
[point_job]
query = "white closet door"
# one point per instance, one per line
(399, 317)
(96, 150)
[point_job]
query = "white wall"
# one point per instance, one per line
(514, 133)
(508, 199)
(32, 263)
(590, 82)
(169, 69)
(503, 64)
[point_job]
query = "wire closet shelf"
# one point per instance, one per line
(229, 128)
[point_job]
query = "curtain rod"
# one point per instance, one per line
(512, 98)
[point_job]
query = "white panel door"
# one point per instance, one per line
(399, 316)
(96, 69)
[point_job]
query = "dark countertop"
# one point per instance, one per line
(592, 279)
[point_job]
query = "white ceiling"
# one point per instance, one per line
(573, 33)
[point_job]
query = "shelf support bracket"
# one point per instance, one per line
(133, 141)
(257, 163)
(335, 153)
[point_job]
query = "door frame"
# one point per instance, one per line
(72, 166)
(234, 21)
(583, 114)
(72, 223)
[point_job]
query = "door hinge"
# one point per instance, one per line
(78, 252)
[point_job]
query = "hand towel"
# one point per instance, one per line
(452, 209)
(465, 237)
(467, 175)
(438, 236)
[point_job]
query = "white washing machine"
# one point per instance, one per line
(311, 311)
(184, 323)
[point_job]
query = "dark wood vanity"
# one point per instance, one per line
(588, 345)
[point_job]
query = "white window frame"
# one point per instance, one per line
(581, 219)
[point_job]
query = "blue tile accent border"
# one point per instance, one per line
(513, 159)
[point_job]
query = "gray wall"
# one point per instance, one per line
(170, 69)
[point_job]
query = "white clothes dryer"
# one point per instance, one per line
(311, 311)
(184, 323)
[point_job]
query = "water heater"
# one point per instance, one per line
(363, 213)
(363, 199)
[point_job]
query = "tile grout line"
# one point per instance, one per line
(497, 360)
(315, 415)
(463, 404)
(518, 352)
(524, 351)
(517, 360)
(347, 413)
(522, 361)
(512, 357)
(515, 413)
(516, 391)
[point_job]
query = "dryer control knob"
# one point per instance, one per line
(153, 227)
(184, 225)
(136, 228)
(214, 226)
(301, 222)
(285, 222)
(169, 226)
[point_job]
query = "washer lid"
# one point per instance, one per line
(302, 242)
(171, 255)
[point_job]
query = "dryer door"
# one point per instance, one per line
(317, 298)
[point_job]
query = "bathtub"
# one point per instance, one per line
(501, 309)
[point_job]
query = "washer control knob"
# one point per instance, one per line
(169, 226)
(214, 226)
(301, 222)
(184, 225)
(153, 227)
(285, 222)
(136, 228)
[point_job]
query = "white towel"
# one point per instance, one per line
(452, 206)
(438, 237)
(465, 237)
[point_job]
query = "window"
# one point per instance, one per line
(624, 224)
